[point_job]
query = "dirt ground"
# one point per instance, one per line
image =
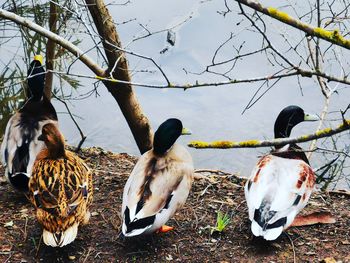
(191, 241)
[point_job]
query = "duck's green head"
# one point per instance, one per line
(288, 118)
(166, 135)
(36, 78)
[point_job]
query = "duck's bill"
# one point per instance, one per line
(311, 117)
(186, 131)
(39, 58)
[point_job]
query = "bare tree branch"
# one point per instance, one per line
(56, 38)
(100, 72)
(121, 90)
(82, 135)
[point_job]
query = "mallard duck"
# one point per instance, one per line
(159, 183)
(60, 189)
(20, 146)
(281, 182)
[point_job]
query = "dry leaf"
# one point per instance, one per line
(314, 218)
(5, 248)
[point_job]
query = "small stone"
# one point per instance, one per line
(9, 224)
(71, 257)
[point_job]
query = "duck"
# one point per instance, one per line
(159, 184)
(60, 189)
(20, 146)
(281, 182)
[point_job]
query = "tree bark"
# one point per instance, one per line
(50, 51)
(122, 92)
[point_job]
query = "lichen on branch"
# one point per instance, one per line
(327, 132)
(332, 36)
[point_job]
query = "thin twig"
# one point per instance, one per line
(83, 137)
(292, 243)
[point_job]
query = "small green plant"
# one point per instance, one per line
(221, 222)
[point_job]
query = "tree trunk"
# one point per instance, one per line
(123, 93)
(50, 51)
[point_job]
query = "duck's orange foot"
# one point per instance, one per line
(165, 228)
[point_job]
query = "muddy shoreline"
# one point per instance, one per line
(191, 241)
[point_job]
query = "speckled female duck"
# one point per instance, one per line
(20, 145)
(159, 183)
(60, 189)
(281, 182)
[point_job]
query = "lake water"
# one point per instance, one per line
(211, 113)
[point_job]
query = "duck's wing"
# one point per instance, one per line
(78, 183)
(276, 191)
(61, 190)
(5, 142)
(156, 188)
(20, 148)
(15, 145)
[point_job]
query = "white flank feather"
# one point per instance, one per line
(60, 239)
(13, 139)
(135, 232)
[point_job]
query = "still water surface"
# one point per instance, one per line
(211, 113)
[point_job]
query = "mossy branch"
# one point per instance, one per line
(331, 36)
(275, 142)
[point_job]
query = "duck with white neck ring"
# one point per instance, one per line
(281, 182)
(159, 183)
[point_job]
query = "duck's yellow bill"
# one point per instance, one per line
(185, 131)
(39, 58)
(311, 117)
